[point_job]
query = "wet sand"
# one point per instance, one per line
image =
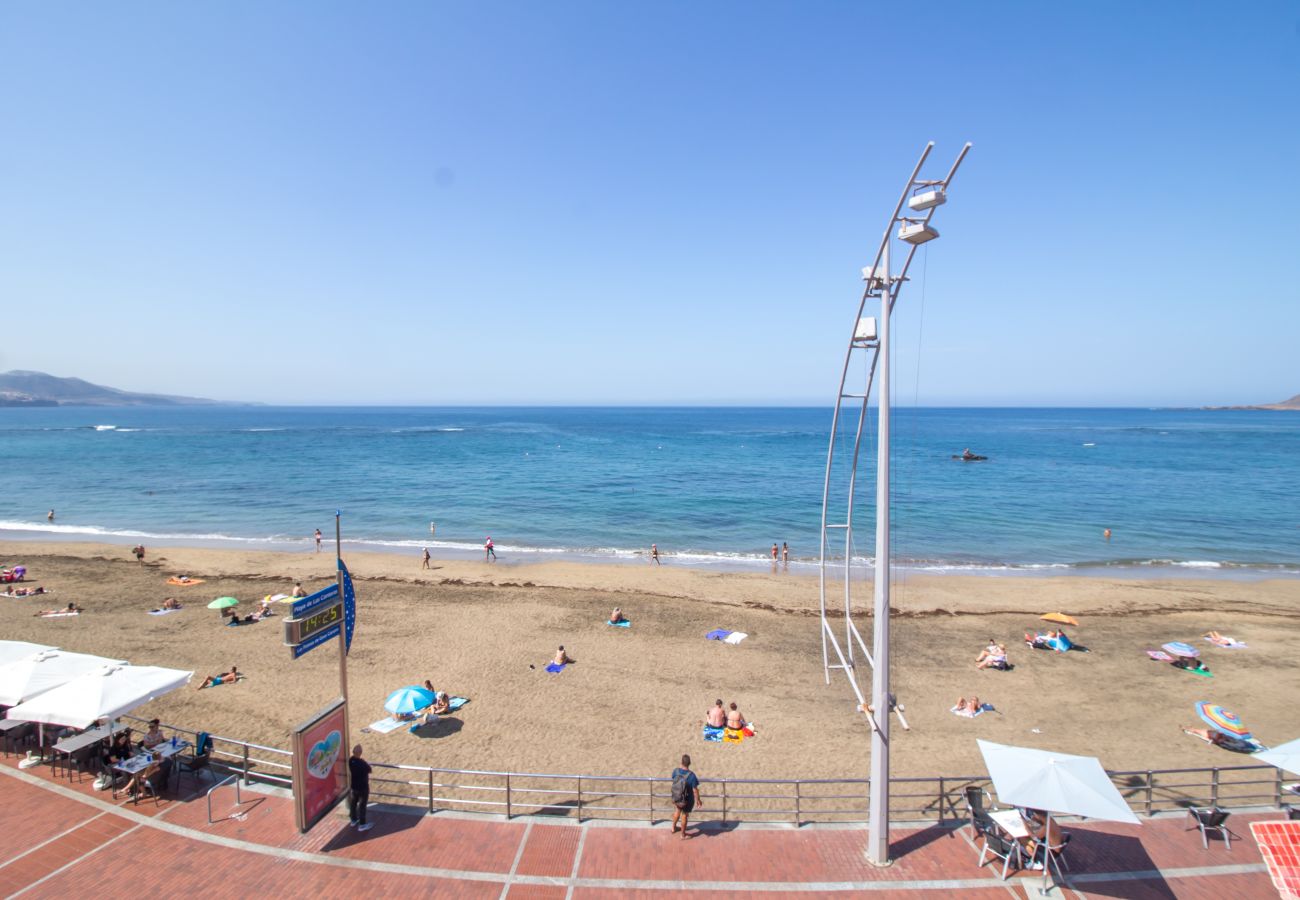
(636, 698)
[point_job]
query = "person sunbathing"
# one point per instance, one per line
(441, 704)
(70, 610)
(716, 717)
(1219, 639)
(735, 720)
(969, 707)
(616, 616)
(561, 658)
(262, 612)
(1218, 738)
(171, 603)
(1192, 665)
(224, 678)
(994, 656)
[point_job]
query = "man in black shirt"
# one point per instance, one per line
(359, 769)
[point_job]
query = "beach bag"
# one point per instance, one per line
(680, 791)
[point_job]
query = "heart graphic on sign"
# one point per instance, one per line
(322, 756)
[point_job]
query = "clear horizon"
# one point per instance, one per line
(509, 204)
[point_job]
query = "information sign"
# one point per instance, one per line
(320, 764)
(298, 630)
(309, 604)
(316, 640)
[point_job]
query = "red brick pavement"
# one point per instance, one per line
(61, 839)
(1279, 842)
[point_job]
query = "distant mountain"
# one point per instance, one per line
(20, 388)
(1293, 403)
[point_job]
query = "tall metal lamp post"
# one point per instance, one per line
(869, 341)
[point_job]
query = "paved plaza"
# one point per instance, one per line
(65, 839)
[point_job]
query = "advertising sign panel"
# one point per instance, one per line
(320, 764)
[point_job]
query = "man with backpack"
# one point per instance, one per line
(686, 793)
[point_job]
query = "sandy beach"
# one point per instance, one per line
(636, 697)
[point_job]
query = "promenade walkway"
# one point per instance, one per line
(63, 839)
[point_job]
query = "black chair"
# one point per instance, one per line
(1209, 819)
(197, 762)
(1292, 813)
(976, 800)
(1003, 848)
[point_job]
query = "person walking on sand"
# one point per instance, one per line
(138, 550)
(489, 550)
(359, 795)
(317, 540)
(654, 554)
(424, 562)
(686, 794)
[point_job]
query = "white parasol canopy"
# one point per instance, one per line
(44, 670)
(1284, 756)
(105, 693)
(11, 650)
(1055, 782)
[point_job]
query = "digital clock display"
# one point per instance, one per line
(299, 630)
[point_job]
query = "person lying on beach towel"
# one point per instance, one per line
(1195, 666)
(1053, 640)
(969, 708)
(184, 580)
(1220, 640)
(26, 592)
(224, 678)
(71, 609)
(1226, 741)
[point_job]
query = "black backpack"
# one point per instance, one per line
(681, 792)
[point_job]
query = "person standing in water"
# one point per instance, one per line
(785, 553)
(50, 515)
(489, 550)
(1106, 534)
(318, 540)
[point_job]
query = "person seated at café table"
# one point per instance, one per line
(1044, 833)
(153, 737)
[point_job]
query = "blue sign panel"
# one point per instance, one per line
(321, 598)
(316, 640)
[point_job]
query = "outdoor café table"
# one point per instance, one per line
(71, 745)
(10, 725)
(145, 758)
(1009, 820)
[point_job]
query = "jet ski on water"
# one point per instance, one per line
(967, 456)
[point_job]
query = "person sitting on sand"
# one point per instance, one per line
(969, 707)
(171, 603)
(716, 717)
(441, 704)
(298, 590)
(1192, 665)
(735, 720)
(616, 616)
(561, 658)
(224, 678)
(70, 610)
(183, 579)
(994, 656)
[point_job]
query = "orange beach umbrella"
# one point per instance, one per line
(1060, 618)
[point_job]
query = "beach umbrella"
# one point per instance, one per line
(1285, 756)
(223, 603)
(1059, 618)
(1056, 783)
(37, 673)
(14, 650)
(1178, 648)
(408, 699)
(1221, 719)
(106, 693)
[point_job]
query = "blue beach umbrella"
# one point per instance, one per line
(407, 700)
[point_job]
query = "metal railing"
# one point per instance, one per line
(796, 801)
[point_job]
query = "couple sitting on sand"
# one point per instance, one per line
(994, 656)
(719, 716)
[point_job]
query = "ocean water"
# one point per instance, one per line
(1179, 489)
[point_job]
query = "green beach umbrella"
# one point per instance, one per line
(223, 603)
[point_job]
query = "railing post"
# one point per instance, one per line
(1214, 786)
(1277, 789)
(431, 790)
(509, 808)
(579, 799)
(1151, 783)
(652, 798)
(245, 764)
(798, 795)
(941, 799)
(724, 801)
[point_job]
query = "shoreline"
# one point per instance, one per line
(722, 562)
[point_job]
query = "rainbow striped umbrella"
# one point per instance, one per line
(1221, 719)
(1178, 648)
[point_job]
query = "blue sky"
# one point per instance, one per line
(625, 203)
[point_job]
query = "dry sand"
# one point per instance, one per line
(635, 700)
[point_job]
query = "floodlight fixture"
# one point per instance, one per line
(916, 232)
(927, 198)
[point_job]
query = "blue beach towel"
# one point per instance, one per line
(456, 703)
(717, 634)
(555, 667)
(713, 734)
(626, 623)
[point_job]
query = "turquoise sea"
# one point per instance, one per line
(1180, 489)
